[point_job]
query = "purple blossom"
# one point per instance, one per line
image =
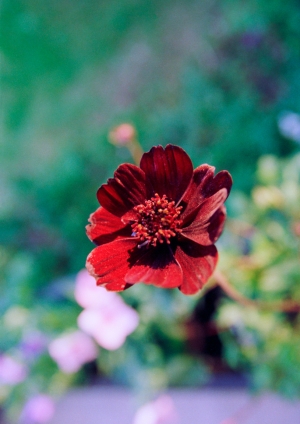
(289, 125)
(12, 372)
(39, 409)
(33, 344)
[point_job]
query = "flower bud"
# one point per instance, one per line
(122, 134)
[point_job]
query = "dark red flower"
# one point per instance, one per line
(158, 223)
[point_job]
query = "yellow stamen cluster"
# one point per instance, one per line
(157, 221)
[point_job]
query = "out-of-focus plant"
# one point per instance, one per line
(44, 351)
(260, 329)
(228, 75)
(53, 344)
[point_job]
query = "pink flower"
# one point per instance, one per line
(11, 371)
(106, 317)
(39, 409)
(160, 411)
(71, 351)
(109, 326)
(89, 295)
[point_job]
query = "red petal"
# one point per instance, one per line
(197, 264)
(130, 217)
(216, 224)
(222, 180)
(124, 191)
(207, 225)
(110, 262)
(204, 185)
(158, 267)
(168, 171)
(195, 193)
(105, 227)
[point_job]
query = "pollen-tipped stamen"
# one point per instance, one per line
(157, 221)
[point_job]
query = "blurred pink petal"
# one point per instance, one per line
(39, 409)
(110, 325)
(160, 411)
(11, 371)
(89, 295)
(71, 351)
(106, 317)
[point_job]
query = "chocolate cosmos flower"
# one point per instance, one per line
(158, 223)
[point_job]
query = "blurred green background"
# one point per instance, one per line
(211, 76)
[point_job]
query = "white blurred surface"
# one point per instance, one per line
(114, 405)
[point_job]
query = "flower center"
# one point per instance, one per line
(158, 221)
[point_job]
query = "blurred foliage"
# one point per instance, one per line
(210, 76)
(262, 261)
